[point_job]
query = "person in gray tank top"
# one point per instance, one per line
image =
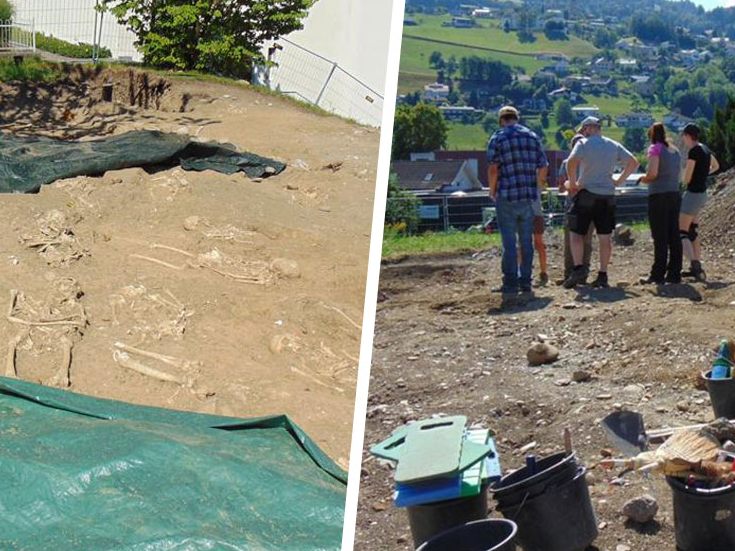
(664, 203)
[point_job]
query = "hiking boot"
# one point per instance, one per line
(696, 271)
(506, 290)
(601, 281)
(578, 277)
(673, 279)
(543, 280)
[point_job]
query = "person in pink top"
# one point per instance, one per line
(664, 202)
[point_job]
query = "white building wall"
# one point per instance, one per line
(354, 34)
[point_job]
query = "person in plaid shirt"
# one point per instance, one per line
(518, 169)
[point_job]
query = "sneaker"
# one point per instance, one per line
(601, 281)
(543, 279)
(578, 277)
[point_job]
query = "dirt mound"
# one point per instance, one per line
(718, 217)
(74, 106)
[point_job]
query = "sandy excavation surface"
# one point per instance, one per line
(193, 291)
(446, 345)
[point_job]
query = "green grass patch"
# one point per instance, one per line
(466, 137)
(415, 61)
(32, 69)
(395, 244)
(68, 49)
(489, 34)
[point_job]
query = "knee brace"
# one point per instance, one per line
(693, 234)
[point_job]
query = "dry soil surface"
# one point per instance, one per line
(194, 291)
(446, 345)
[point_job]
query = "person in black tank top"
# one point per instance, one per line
(700, 164)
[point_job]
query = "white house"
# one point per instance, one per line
(463, 22)
(676, 122)
(627, 64)
(482, 13)
(581, 112)
(436, 92)
(635, 120)
(643, 84)
(460, 113)
(429, 176)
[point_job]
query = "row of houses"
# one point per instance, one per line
(451, 172)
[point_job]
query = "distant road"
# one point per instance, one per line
(483, 48)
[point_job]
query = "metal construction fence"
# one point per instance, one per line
(17, 37)
(444, 212)
(79, 21)
(310, 77)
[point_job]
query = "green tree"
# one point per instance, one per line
(401, 208)
(728, 67)
(721, 135)
(214, 36)
(416, 129)
(545, 119)
(7, 11)
(490, 124)
(436, 60)
(562, 137)
(564, 113)
(634, 139)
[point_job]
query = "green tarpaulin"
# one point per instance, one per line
(27, 163)
(88, 474)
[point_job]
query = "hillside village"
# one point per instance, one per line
(557, 66)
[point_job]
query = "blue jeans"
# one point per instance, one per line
(515, 221)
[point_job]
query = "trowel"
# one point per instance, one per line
(626, 432)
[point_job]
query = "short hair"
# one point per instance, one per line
(692, 130)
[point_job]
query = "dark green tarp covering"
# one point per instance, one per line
(27, 163)
(88, 474)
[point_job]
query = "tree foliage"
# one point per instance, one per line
(417, 129)
(634, 139)
(721, 135)
(651, 28)
(401, 208)
(214, 36)
(6, 10)
(476, 68)
(564, 113)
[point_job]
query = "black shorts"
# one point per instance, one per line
(589, 208)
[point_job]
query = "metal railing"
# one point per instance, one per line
(17, 37)
(78, 21)
(310, 77)
(445, 212)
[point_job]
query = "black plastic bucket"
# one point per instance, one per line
(431, 519)
(560, 518)
(722, 395)
(704, 520)
(493, 534)
(550, 471)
